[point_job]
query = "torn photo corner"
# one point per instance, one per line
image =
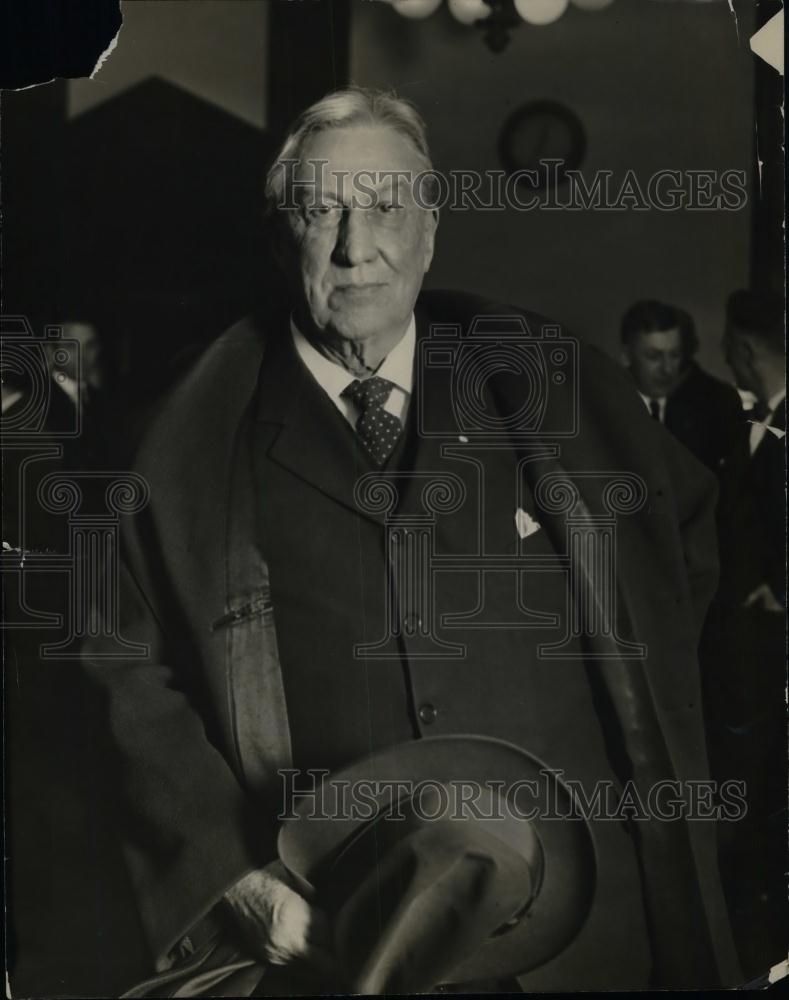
(46, 40)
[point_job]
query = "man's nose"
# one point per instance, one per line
(355, 244)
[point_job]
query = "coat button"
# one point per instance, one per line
(428, 713)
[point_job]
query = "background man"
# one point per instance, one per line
(744, 648)
(254, 519)
(755, 348)
(56, 842)
(658, 344)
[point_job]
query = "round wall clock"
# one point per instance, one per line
(542, 131)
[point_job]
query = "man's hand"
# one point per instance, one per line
(279, 925)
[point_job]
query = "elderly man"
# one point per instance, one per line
(658, 344)
(282, 632)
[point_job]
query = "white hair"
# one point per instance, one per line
(351, 106)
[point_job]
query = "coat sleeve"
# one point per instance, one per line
(188, 825)
(181, 812)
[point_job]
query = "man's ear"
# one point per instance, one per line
(431, 225)
(624, 357)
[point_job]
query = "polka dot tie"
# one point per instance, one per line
(378, 430)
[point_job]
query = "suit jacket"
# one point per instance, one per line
(767, 481)
(744, 648)
(704, 414)
(198, 728)
(752, 513)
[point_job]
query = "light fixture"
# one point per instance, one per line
(541, 11)
(469, 11)
(496, 18)
(416, 8)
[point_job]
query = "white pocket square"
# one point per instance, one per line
(525, 524)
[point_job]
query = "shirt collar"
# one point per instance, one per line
(660, 400)
(397, 366)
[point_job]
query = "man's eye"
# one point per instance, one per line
(389, 206)
(323, 213)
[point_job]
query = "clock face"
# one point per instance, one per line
(542, 131)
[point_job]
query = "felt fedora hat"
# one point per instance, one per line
(443, 860)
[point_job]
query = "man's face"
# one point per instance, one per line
(656, 361)
(356, 254)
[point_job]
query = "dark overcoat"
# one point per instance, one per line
(199, 724)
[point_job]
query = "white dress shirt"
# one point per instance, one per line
(760, 427)
(661, 402)
(397, 367)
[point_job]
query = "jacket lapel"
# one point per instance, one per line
(304, 432)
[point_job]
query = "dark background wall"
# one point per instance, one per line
(655, 85)
(134, 199)
(216, 49)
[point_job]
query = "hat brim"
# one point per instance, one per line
(312, 837)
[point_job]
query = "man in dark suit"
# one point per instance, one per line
(744, 648)
(308, 472)
(658, 344)
(755, 349)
